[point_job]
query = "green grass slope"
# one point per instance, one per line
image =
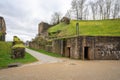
(88, 28)
(5, 50)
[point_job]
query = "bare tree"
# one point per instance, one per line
(116, 9)
(55, 18)
(78, 6)
(93, 9)
(101, 8)
(75, 7)
(108, 8)
(86, 12)
(68, 14)
(81, 7)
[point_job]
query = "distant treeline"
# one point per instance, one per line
(90, 9)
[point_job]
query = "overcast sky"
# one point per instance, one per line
(23, 16)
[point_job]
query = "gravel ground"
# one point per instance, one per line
(66, 70)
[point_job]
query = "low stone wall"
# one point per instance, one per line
(36, 46)
(48, 48)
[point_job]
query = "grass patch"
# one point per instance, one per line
(5, 50)
(57, 27)
(88, 28)
(46, 53)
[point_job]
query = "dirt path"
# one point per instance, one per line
(41, 57)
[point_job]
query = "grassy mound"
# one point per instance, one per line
(5, 51)
(88, 28)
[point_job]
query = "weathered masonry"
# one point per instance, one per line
(88, 47)
(2, 29)
(42, 29)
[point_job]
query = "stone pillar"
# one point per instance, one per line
(76, 54)
(61, 47)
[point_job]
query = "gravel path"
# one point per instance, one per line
(42, 57)
(67, 70)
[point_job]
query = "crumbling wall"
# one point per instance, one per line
(86, 42)
(65, 20)
(48, 48)
(71, 48)
(42, 29)
(66, 47)
(2, 29)
(34, 45)
(107, 48)
(98, 48)
(56, 46)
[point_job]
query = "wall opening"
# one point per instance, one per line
(68, 51)
(86, 53)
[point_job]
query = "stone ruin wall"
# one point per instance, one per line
(96, 47)
(2, 29)
(36, 45)
(107, 47)
(56, 46)
(100, 47)
(42, 29)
